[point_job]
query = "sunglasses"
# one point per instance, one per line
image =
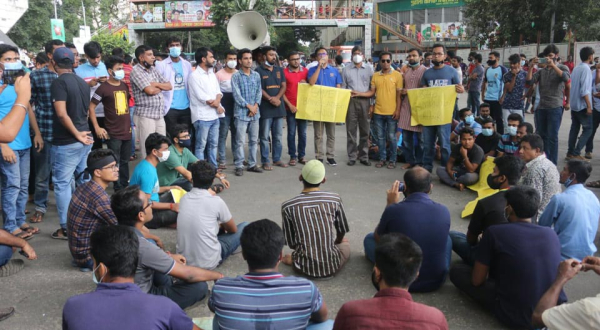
(386, 61)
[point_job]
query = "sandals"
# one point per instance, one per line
(23, 235)
(280, 164)
(380, 164)
(217, 188)
(63, 235)
(267, 167)
(31, 230)
(391, 165)
(222, 167)
(37, 217)
(593, 184)
(302, 161)
(293, 162)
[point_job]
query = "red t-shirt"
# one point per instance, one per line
(127, 68)
(292, 79)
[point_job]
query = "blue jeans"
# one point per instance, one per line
(43, 169)
(473, 102)
(243, 128)
(226, 124)
(230, 242)
(270, 127)
(207, 137)
(579, 118)
(430, 133)
(14, 186)
(292, 124)
(464, 250)
(589, 147)
(549, 123)
(6, 253)
(69, 162)
(385, 129)
(131, 110)
(413, 154)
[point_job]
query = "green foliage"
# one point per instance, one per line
(222, 10)
(109, 42)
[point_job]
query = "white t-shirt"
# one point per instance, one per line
(582, 314)
(200, 215)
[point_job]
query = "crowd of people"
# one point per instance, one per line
(79, 123)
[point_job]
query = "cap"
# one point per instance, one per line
(62, 54)
(313, 172)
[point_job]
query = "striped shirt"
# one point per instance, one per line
(311, 222)
(507, 145)
(264, 301)
(412, 79)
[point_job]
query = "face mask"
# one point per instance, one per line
(484, 117)
(119, 74)
(94, 275)
(357, 59)
(427, 62)
(522, 63)
(568, 182)
(165, 156)
(174, 51)
(413, 64)
(491, 62)
(512, 131)
(185, 143)
(147, 65)
(487, 132)
(535, 66)
(469, 120)
(231, 64)
(268, 64)
(13, 66)
(492, 183)
(436, 63)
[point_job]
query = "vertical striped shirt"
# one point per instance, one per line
(264, 301)
(311, 223)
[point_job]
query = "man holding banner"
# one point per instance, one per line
(440, 75)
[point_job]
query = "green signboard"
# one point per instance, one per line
(404, 5)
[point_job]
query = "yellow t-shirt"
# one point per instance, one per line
(386, 86)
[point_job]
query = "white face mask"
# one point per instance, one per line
(357, 59)
(231, 64)
(165, 156)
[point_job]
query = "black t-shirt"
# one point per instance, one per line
(72, 89)
(523, 259)
(271, 83)
(488, 211)
(475, 156)
(487, 143)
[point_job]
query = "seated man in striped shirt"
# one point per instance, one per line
(314, 224)
(263, 298)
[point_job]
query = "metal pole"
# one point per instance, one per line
(552, 21)
(55, 12)
(82, 6)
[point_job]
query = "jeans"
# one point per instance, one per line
(292, 125)
(270, 127)
(463, 178)
(413, 154)
(589, 147)
(507, 112)
(473, 102)
(430, 133)
(385, 130)
(69, 162)
(251, 128)
(579, 118)
(131, 110)
(549, 123)
(182, 293)
(464, 250)
(207, 137)
(230, 242)
(184, 183)
(121, 148)
(43, 168)
(226, 124)
(15, 181)
(496, 113)
(6, 253)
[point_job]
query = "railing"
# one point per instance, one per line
(296, 11)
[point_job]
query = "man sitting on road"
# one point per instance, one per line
(397, 263)
(133, 208)
(509, 142)
(264, 298)
(462, 168)
(409, 217)
(8, 244)
(466, 120)
(489, 138)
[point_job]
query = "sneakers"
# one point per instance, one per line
(255, 169)
(331, 162)
(573, 157)
(6, 313)
(239, 171)
(588, 155)
(12, 267)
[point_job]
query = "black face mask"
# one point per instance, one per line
(492, 183)
(436, 63)
(491, 62)
(147, 65)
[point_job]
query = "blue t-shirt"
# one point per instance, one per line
(495, 85)
(7, 100)
(445, 76)
(514, 100)
(428, 224)
(180, 97)
(329, 76)
(146, 177)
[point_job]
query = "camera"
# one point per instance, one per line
(543, 61)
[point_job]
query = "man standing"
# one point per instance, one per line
(71, 141)
(147, 85)
(493, 85)
(294, 74)
(514, 88)
(176, 70)
(206, 106)
(41, 99)
(272, 109)
(227, 123)
(357, 78)
(247, 94)
(551, 82)
(589, 147)
(476, 72)
(387, 84)
(93, 72)
(324, 75)
(581, 104)
(441, 75)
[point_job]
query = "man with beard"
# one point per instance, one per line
(492, 87)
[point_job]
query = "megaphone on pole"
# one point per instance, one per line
(248, 29)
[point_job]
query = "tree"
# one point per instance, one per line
(109, 42)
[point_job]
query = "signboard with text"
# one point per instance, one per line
(187, 14)
(404, 5)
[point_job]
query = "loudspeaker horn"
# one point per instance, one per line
(248, 29)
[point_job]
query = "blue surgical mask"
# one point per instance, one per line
(119, 74)
(470, 119)
(94, 275)
(487, 132)
(185, 143)
(511, 130)
(175, 51)
(13, 66)
(522, 62)
(568, 182)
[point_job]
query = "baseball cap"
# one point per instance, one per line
(313, 172)
(61, 55)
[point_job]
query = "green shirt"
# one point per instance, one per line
(166, 170)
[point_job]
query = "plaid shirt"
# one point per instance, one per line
(246, 90)
(88, 210)
(41, 80)
(148, 106)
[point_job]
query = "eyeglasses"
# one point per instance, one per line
(113, 167)
(322, 54)
(147, 206)
(386, 61)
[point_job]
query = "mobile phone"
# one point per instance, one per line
(401, 187)
(24, 254)
(9, 76)
(543, 61)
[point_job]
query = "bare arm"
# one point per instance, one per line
(11, 124)
(193, 274)
(320, 315)
(230, 226)
(38, 141)
(480, 273)
(61, 112)
(164, 86)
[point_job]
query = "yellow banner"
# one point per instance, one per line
(320, 103)
(431, 106)
(481, 187)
